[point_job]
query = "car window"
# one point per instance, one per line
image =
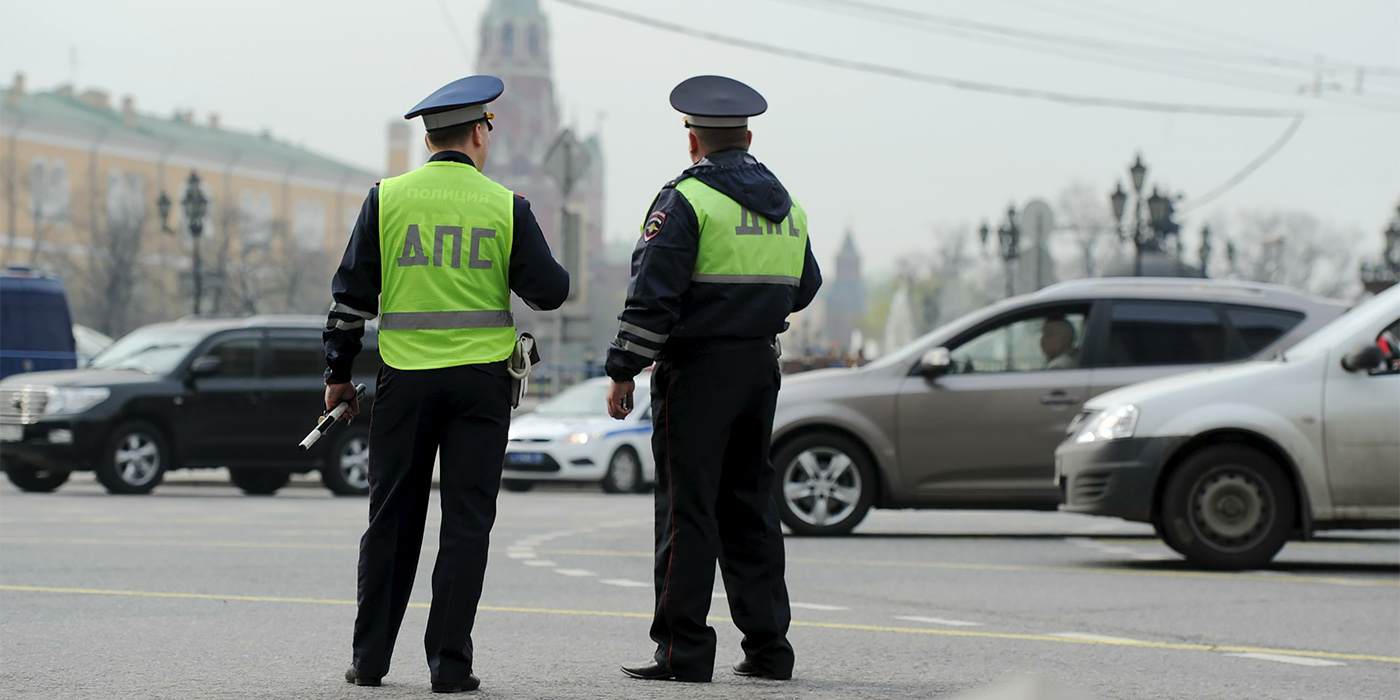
(297, 356)
(1046, 341)
(238, 357)
(1164, 333)
(1260, 327)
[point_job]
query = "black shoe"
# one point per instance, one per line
(750, 669)
(470, 684)
(351, 676)
(651, 671)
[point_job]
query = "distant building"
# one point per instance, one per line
(844, 296)
(515, 47)
(81, 177)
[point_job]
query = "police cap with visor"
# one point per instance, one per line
(459, 102)
(716, 102)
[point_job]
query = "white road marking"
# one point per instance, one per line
(625, 583)
(938, 621)
(521, 555)
(1295, 660)
(817, 606)
(1092, 637)
(539, 562)
(718, 595)
(575, 572)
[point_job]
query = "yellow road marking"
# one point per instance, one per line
(954, 566)
(1172, 646)
(1285, 578)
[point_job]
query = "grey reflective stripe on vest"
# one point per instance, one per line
(642, 333)
(746, 279)
(344, 325)
(444, 320)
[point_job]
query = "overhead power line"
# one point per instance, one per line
(1231, 69)
(932, 79)
(1124, 16)
(1247, 170)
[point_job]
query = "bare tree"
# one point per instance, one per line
(1295, 249)
(1085, 215)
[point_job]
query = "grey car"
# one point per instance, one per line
(968, 416)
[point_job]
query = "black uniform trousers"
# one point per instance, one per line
(715, 491)
(466, 411)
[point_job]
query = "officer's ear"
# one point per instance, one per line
(694, 146)
(748, 135)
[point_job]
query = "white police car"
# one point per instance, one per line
(572, 438)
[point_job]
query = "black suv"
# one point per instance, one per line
(196, 393)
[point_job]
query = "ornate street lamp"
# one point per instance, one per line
(1205, 250)
(195, 206)
(1009, 240)
(1139, 173)
(1119, 200)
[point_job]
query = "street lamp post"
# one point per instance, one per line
(1205, 251)
(195, 204)
(1160, 209)
(1008, 245)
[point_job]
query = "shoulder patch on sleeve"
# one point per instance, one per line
(376, 182)
(653, 225)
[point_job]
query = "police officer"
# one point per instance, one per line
(435, 254)
(723, 259)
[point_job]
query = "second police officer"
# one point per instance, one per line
(435, 254)
(722, 260)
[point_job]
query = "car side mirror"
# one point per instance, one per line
(205, 366)
(1364, 358)
(935, 362)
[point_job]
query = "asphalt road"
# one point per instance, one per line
(200, 592)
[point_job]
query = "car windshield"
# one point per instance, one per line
(153, 350)
(588, 399)
(910, 353)
(1347, 325)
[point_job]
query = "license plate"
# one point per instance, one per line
(11, 433)
(525, 458)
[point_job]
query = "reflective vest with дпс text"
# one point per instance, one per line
(738, 246)
(445, 234)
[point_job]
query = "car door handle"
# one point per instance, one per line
(1059, 398)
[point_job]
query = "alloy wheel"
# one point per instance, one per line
(822, 486)
(137, 459)
(354, 462)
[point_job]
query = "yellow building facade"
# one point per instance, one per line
(80, 179)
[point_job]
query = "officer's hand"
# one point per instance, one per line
(337, 393)
(620, 398)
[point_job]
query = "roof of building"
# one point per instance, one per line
(501, 9)
(849, 245)
(62, 108)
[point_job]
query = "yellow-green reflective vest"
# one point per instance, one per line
(738, 246)
(445, 234)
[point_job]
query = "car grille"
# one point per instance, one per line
(532, 440)
(23, 405)
(548, 465)
(1089, 487)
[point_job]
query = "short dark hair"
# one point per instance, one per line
(712, 139)
(1058, 319)
(455, 135)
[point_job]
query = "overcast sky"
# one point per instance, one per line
(895, 158)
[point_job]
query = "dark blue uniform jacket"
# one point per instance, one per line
(667, 314)
(534, 276)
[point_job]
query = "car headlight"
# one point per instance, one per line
(584, 438)
(68, 401)
(1116, 423)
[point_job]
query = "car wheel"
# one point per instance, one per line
(135, 459)
(624, 472)
(517, 485)
(36, 480)
(826, 484)
(1228, 507)
(259, 482)
(346, 471)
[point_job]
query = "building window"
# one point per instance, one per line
(507, 39)
(48, 191)
(309, 226)
(126, 203)
(534, 41)
(255, 226)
